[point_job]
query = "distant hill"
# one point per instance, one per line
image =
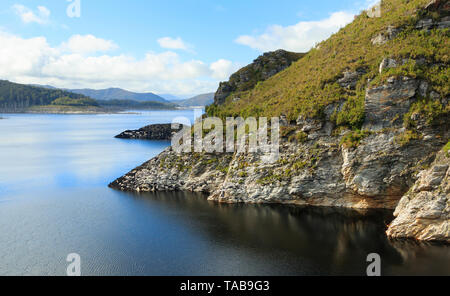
(200, 100)
(15, 96)
(170, 97)
(131, 104)
(118, 94)
(44, 86)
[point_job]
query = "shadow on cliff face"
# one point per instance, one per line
(326, 240)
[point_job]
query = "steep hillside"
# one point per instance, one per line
(261, 69)
(118, 94)
(15, 96)
(200, 100)
(362, 115)
(345, 65)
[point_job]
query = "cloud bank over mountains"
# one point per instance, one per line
(84, 60)
(87, 61)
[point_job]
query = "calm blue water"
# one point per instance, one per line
(54, 200)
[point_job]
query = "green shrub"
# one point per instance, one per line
(447, 148)
(427, 109)
(406, 137)
(353, 138)
(285, 131)
(352, 113)
(310, 84)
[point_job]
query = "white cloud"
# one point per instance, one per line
(222, 69)
(173, 43)
(41, 16)
(300, 37)
(88, 44)
(33, 60)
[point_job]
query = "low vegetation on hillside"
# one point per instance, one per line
(311, 83)
(67, 101)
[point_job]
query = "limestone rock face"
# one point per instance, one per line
(387, 103)
(439, 7)
(382, 38)
(313, 169)
(350, 79)
(424, 212)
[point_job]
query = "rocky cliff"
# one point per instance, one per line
(424, 212)
(318, 164)
(358, 125)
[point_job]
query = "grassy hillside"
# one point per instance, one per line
(311, 83)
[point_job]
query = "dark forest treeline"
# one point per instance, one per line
(135, 104)
(14, 96)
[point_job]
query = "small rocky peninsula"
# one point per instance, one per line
(365, 128)
(162, 132)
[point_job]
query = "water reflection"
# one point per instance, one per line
(54, 200)
(328, 240)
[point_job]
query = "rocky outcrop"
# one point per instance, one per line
(346, 149)
(374, 11)
(442, 6)
(382, 38)
(350, 78)
(261, 69)
(386, 104)
(435, 8)
(424, 212)
(151, 132)
(428, 24)
(313, 167)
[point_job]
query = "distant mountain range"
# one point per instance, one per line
(118, 94)
(170, 97)
(121, 94)
(112, 94)
(15, 97)
(200, 100)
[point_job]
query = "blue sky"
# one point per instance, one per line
(179, 47)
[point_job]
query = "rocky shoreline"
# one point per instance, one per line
(162, 132)
(315, 167)
(424, 212)
(375, 134)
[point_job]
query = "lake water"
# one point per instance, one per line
(54, 200)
